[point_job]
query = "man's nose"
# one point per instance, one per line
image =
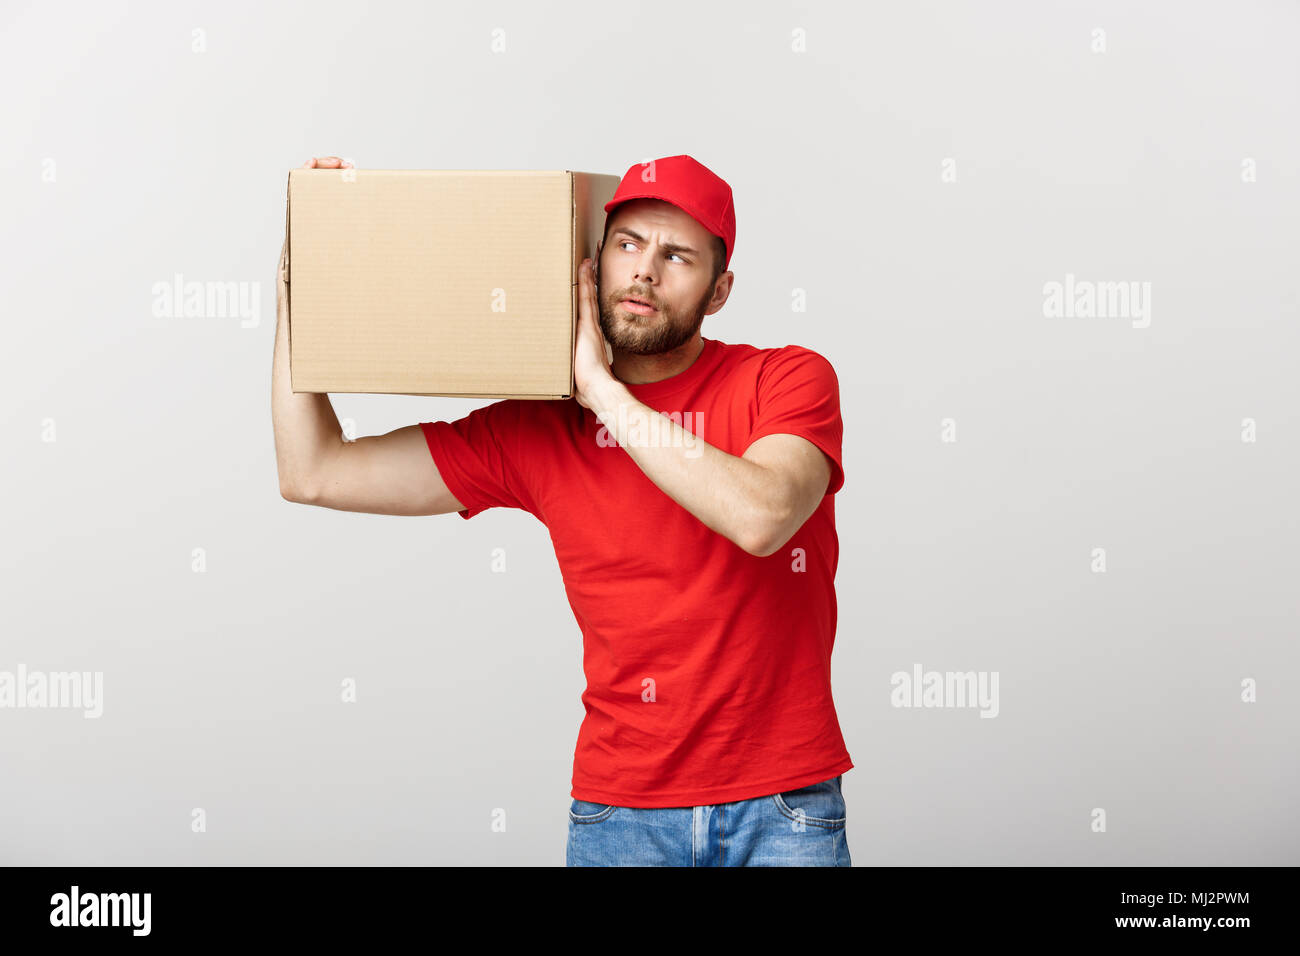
(644, 269)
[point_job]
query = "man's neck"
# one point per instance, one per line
(632, 369)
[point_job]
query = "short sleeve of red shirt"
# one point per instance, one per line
(479, 460)
(799, 394)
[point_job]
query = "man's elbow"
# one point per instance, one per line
(767, 535)
(766, 547)
(295, 493)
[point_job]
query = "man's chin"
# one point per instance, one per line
(642, 334)
(635, 347)
(620, 337)
(648, 346)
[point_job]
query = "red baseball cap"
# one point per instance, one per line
(687, 184)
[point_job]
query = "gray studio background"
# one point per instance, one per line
(1119, 690)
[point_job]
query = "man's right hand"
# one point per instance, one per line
(327, 162)
(282, 272)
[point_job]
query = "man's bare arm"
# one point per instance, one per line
(757, 500)
(391, 474)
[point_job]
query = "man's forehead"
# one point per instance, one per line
(640, 215)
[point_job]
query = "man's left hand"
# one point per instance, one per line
(592, 354)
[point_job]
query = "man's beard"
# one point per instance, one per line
(654, 334)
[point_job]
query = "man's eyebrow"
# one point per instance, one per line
(670, 246)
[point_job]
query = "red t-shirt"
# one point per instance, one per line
(708, 669)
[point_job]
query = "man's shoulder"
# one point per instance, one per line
(535, 414)
(773, 358)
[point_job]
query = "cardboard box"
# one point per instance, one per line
(438, 282)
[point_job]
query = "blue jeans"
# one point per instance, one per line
(803, 827)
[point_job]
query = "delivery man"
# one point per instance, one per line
(688, 489)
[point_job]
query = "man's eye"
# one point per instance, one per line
(628, 242)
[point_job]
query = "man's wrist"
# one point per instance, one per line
(607, 397)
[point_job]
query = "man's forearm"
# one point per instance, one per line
(736, 498)
(306, 428)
